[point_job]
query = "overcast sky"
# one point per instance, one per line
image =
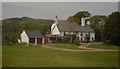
(48, 10)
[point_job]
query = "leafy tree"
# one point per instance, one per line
(73, 19)
(111, 29)
(80, 15)
(97, 22)
(77, 17)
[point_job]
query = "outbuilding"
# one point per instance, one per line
(32, 37)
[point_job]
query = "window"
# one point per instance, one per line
(92, 38)
(63, 33)
(81, 39)
(81, 34)
(89, 33)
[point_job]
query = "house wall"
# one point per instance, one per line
(43, 40)
(54, 29)
(24, 37)
(62, 33)
(82, 37)
(79, 35)
(92, 36)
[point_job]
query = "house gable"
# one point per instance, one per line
(24, 37)
(55, 30)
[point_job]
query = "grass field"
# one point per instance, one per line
(36, 56)
(104, 46)
(65, 46)
(74, 47)
(0, 56)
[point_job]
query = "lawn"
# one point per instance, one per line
(103, 46)
(36, 56)
(0, 56)
(66, 46)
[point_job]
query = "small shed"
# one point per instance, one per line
(32, 37)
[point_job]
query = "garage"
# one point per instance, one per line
(39, 40)
(32, 37)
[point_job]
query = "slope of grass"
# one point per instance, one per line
(36, 56)
(0, 56)
(103, 46)
(66, 46)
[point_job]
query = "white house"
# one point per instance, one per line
(32, 37)
(62, 27)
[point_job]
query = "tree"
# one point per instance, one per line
(111, 29)
(81, 14)
(97, 22)
(33, 24)
(73, 19)
(77, 17)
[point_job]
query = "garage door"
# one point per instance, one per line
(32, 40)
(39, 40)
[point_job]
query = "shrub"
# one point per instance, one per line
(72, 37)
(63, 39)
(76, 42)
(87, 38)
(22, 44)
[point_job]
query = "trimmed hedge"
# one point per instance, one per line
(76, 42)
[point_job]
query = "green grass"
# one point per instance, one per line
(36, 56)
(103, 46)
(0, 56)
(66, 46)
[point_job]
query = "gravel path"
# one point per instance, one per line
(87, 49)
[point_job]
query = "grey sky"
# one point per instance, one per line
(48, 10)
(0, 10)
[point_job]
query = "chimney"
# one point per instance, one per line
(82, 21)
(56, 19)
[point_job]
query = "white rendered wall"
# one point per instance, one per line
(61, 33)
(79, 35)
(43, 40)
(24, 37)
(83, 36)
(54, 29)
(92, 35)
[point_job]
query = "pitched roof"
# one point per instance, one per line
(34, 34)
(66, 26)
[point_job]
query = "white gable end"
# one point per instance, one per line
(54, 29)
(24, 37)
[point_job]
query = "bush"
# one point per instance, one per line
(76, 42)
(22, 44)
(87, 38)
(62, 39)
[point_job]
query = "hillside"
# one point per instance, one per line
(12, 27)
